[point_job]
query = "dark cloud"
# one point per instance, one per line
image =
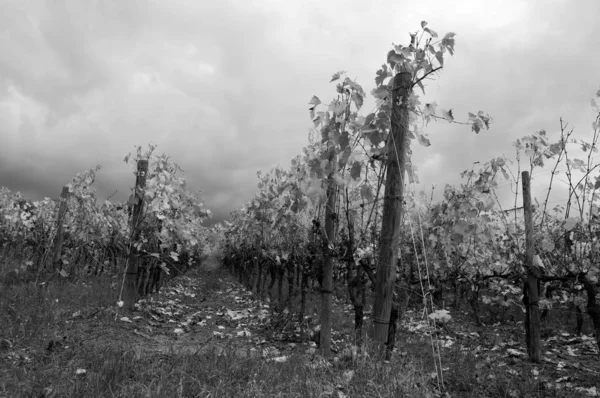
(223, 86)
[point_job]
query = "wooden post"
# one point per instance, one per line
(392, 209)
(130, 293)
(532, 329)
(59, 238)
(328, 243)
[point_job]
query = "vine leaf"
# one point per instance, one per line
(337, 75)
(381, 75)
(440, 57)
(448, 42)
(358, 99)
(570, 223)
(421, 86)
(433, 33)
(314, 101)
(447, 115)
(380, 93)
(424, 141)
(337, 107)
(163, 266)
(366, 193)
(355, 170)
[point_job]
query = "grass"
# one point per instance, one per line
(49, 348)
(47, 355)
(118, 373)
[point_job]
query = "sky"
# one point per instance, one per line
(223, 86)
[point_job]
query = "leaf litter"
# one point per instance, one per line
(187, 318)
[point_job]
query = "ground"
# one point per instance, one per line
(205, 335)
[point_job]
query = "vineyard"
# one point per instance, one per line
(336, 279)
(59, 235)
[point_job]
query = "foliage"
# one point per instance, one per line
(98, 233)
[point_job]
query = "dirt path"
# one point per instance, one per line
(201, 311)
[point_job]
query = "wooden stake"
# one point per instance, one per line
(59, 238)
(392, 209)
(130, 292)
(532, 329)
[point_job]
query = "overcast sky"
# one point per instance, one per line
(223, 86)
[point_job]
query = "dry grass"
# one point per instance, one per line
(48, 347)
(47, 351)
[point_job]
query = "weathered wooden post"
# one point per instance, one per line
(328, 245)
(130, 292)
(392, 208)
(59, 238)
(532, 321)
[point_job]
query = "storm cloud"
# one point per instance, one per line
(223, 86)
